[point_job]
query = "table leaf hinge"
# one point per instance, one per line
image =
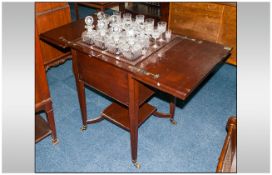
(133, 68)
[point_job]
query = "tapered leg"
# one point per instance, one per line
(82, 103)
(133, 117)
(51, 122)
(172, 110)
(80, 92)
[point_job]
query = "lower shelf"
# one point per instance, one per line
(119, 114)
(41, 128)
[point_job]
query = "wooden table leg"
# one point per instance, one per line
(76, 10)
(51, 121)
(82, 103)
(133, 117)
(172, 110)
(80, 92)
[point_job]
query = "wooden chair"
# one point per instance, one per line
(42, 99)
(227, 159)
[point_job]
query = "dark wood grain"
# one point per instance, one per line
(164, 10)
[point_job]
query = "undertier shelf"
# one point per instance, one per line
(119, 114)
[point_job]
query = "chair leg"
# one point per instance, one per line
(51, 122)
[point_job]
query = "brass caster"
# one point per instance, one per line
(136, 164)
(83, 128)
(173, 121)
(55, 141)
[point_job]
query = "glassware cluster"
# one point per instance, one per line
(124, 35)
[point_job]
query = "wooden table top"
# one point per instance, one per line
(178, 68)
(182, 66)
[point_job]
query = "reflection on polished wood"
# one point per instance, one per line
(182, 65)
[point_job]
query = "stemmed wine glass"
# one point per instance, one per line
(149, 22)
(139, 19)
(127, 16)
(162, 28)
(139, 23)
(168, 34)
(156, 34)
(124, 35)
(149, 26)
